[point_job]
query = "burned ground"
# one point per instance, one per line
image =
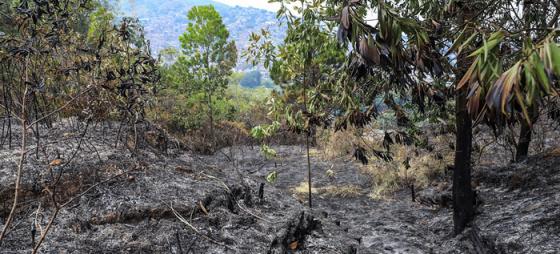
(180, 202)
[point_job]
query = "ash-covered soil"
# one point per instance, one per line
(180, 202)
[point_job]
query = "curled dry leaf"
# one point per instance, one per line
(437, 25)
(369, 50)
(202, 207)
(55, 163)
(293, 245)
(363, 46)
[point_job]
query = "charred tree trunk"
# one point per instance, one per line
(522, 149)
(463, 207)
(211, 118)
(525, 134)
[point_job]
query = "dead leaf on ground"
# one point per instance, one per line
(55, 163)
(293, 245)
(553, 153)
(202, 207)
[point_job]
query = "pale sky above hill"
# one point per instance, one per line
(261, 4)
(264, 4)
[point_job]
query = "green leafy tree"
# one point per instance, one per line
(395, 60)
(100, 22)
(207, 58)
(513, 74)
(304, 65)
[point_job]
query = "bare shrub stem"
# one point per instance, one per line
(23, 152)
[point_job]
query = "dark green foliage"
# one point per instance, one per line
(105, 69)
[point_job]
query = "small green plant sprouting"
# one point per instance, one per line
(271, 177)
(263, 133)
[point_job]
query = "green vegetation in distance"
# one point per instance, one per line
(206, 60)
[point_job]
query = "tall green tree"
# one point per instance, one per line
(305, 66)
(208, 57)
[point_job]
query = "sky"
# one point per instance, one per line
(261, 4)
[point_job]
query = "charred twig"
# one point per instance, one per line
(81, 138)
(186, 222)
(239, 205)
(179, 243)
(68, 103)
(192, 244)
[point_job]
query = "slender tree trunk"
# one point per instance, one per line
(308, 170)
(209, 96)
(308, 130)
(525, 134)
(211, 118)
(522, 149)
(463, 209)
(463, 205)
(37, 133)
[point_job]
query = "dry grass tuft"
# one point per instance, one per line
(303, 188)
(333, 145)
(388, 177)
(345, 191)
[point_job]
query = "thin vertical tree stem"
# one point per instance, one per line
(308, 133)
(20, 165)
(308, 170)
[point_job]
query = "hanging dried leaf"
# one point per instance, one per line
(494, 94)
(473, 103)
(385, 156)
(342, 34)
(511, 82)
(387, 141)
(345, 17)
(361, 155)
(373, 52)
(363, 46)
(467, 77)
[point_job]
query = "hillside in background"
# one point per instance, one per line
(164, 21)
